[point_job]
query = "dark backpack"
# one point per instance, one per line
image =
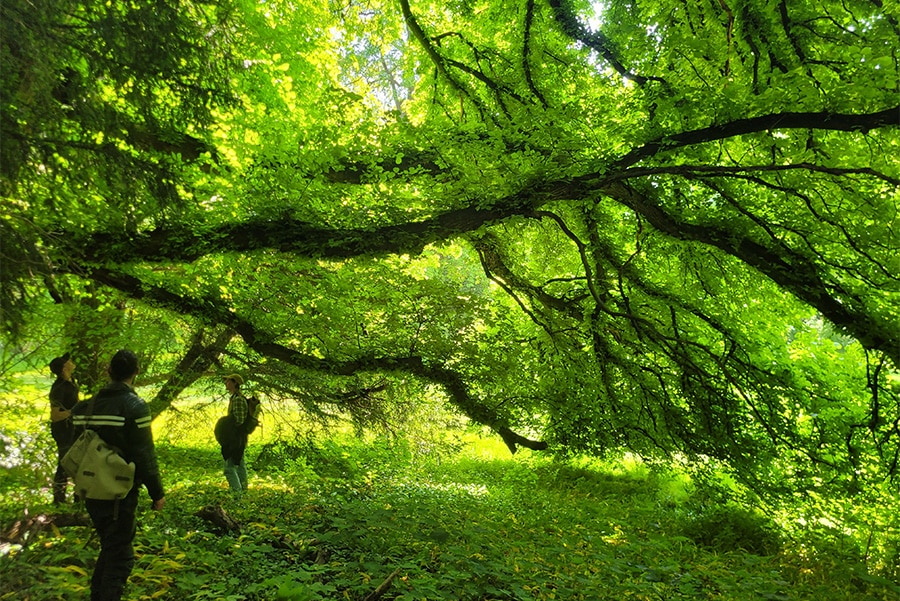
(253, 413)
(224, 430)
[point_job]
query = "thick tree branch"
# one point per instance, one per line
(791, 271)
(291, 236)
(199, 357)
(596, 41)
(302, 239)
(822, 120)
(787, 268)
(263, 343)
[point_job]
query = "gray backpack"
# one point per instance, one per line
(97, 468)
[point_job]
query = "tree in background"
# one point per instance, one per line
(669, 227)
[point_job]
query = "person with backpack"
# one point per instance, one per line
(231, 434)
(63, 398)
(122, 420)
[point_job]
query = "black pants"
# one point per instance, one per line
(62, 434)
(115, 527)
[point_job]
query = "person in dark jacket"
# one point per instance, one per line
(63, 398)
(234, 439)
(122, 419)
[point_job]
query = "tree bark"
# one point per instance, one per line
(23, 531)
(260, 341)
(218, 517)
(199, 357)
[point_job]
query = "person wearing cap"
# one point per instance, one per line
(122, 419)
(235, 440)
(63, 398)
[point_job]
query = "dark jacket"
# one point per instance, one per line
(122, 419)
(63, 394)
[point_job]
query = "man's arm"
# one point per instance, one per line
(144, 451)
(63, 398)
(58, 414)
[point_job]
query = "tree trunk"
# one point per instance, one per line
(196, 361)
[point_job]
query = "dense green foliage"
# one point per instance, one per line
(659, 226)
(453, 517)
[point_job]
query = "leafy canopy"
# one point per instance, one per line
(664, 226)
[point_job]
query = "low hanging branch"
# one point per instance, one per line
(306, 240)
(212, 311)
(791, 271)
(199, 357)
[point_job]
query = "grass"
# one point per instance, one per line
(334, 517)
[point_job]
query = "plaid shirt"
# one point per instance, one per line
(237, 408)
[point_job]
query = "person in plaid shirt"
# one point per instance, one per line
(235, 439)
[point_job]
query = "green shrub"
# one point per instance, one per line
(729, 527)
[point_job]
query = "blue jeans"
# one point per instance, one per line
(236, 474)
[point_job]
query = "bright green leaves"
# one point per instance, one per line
(602, 232)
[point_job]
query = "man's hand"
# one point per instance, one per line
(158, 504)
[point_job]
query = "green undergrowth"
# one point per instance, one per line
(333, 519)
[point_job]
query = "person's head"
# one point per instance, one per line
(233, 382)
(123, 366)
(62, 367)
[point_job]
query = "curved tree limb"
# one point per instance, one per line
(824, 120)
(793, 272)
(526, 53)
(439, 61)
(199, 357)
(263, 343)
(302, 239)
(292, 236)
(596, 41)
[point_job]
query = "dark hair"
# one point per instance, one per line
(56, 366)
(123, 365)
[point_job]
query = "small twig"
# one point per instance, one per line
(383, 587)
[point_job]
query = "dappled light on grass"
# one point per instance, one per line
(442, 490)
(334, 518)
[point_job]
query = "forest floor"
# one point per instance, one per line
(338, 517)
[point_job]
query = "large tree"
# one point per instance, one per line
(669, 226)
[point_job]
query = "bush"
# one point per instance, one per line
(729, 527)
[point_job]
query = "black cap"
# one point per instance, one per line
(57, 364)
(123, 365)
